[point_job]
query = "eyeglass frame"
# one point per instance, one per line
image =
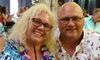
(75, 19)
(38, 22)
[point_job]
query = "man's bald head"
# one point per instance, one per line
(70, 6)
(70, 21)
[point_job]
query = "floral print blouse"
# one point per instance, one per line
(88, 49)
(16, 51)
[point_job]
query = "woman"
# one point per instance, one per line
(32, 37)
(2, 43)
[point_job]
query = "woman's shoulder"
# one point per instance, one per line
(10, 46)
(2, 44)
(46, 54)
(11, 51)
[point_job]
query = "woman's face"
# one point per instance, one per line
(39, 28)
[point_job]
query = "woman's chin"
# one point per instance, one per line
(37, 40)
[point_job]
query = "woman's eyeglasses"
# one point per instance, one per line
(38, 22)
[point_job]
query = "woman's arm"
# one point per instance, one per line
(2, 44)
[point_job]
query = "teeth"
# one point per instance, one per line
(37, 33)
(33, 31)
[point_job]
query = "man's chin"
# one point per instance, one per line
(71, 35)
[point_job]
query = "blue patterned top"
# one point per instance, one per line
(16, 51)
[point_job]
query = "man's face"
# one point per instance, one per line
(71, 22)
(96, 17)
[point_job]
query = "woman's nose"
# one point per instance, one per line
(41, 27)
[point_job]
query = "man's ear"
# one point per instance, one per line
(83, 22)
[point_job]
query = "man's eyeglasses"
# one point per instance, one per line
(37, 22)
(74, 19)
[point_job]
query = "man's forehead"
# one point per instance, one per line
(70, 6)
(70, 12)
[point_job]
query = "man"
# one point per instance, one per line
(74, 43)
(93, 22)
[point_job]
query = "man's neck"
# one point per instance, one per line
(70, 43)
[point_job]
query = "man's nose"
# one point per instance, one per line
(71, 22)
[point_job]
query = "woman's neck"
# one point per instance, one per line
(31, 46)
(34, 50)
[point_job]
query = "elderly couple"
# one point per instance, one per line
(36, 36)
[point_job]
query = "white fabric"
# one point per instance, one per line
(88, 49)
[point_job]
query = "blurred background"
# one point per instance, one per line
(12, 6)
(11, 10)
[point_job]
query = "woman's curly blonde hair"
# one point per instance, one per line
(19, 30)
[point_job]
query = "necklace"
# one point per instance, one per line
(35, 52)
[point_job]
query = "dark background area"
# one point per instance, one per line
(89, 5)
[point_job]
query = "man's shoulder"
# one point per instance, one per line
(91, 32)
(92, 36)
